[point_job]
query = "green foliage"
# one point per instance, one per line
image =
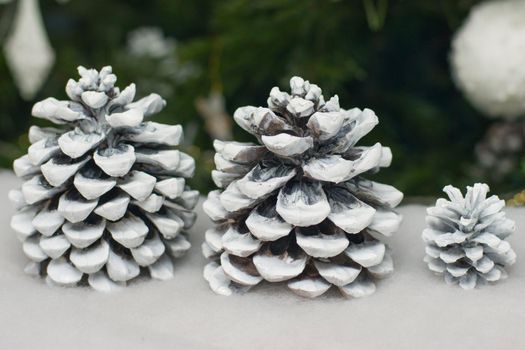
(391, 56)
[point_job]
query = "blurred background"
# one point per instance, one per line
(206, 58)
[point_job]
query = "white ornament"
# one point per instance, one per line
(488, 55)
(213, 110)
(149, 48)
(27, 49)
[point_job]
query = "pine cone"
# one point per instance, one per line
(295, 207)
(104, 196)
(465, 238)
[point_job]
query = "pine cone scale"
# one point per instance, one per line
(302, 203)
(265, 224)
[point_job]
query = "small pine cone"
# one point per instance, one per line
(295, 207)
(501, 149)
(465, 238)
(104, 196)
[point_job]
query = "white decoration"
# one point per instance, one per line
(487, 58)
(27, 49)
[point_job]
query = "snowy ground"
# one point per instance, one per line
(412, 310)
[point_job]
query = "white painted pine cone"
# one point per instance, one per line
(295, 207)
(465, 237)
(104, 196)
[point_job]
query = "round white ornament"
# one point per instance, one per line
(488, 58)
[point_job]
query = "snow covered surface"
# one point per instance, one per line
(411, 310)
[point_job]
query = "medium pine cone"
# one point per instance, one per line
(295, 207)
(104, 196)
(465, 238)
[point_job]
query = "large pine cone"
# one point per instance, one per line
(465, 237)
(104, 196)
(295, 207)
